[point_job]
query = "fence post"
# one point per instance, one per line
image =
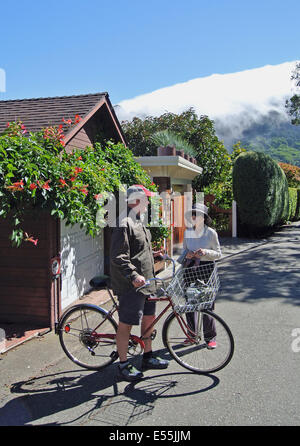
(234, 219)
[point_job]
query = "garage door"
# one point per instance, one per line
(82, 258)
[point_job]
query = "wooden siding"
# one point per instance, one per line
(80, 141)
(99, 124)
(26, 283)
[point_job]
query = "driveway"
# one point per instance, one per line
(259, 299)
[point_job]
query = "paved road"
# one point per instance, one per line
(259, 299)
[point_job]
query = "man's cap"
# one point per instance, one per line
(138, 190)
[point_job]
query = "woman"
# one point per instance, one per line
(200, 247)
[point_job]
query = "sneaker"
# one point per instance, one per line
(129, 372)
(211, 345)
(154, 362)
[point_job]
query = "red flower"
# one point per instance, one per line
(77, 119)
(33, 241)
(84, 190)
(44, 185)
(23, 128)
(67, 121)
(79, 158)
(77, 170)
(18, 186)
(62, 182)
(32, 186)
(97, 196)
(30, 239)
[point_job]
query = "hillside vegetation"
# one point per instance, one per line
(281, 141)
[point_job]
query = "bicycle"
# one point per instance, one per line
(87, 332)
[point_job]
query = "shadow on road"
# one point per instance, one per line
(269, 271)
(81, 397)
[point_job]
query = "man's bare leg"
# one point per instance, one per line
(122, 338)
(146, 322)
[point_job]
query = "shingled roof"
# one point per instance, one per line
(42, 112)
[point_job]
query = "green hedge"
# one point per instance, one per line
(297, 213)
(293, 198)
(260, 189)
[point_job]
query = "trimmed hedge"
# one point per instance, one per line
(293, 197)
(297, 213)
(260, 189)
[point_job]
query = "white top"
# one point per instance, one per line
(206, 239)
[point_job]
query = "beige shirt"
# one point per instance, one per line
(206, 239)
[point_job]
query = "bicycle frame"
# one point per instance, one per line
(140, 339)
(80, 321)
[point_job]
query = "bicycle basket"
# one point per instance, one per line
(195, 288)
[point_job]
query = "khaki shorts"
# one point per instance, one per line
(133, 306)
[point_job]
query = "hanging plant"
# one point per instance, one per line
(36, 172)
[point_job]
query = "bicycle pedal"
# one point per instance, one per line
(114, 356)
(153, 335)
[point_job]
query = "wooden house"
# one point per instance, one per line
(30, 292)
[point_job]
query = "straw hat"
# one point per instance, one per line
(198, 208)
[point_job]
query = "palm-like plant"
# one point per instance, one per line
(166, 138)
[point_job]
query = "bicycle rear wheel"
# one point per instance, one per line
(196, 356)
(87, 336)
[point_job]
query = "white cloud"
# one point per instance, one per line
(240, 98)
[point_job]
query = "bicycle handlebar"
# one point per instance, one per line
(157, 279)
(166, 257)
(147, 283)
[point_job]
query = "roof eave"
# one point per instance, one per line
(72, 132)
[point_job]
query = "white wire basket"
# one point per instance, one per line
(194, 288)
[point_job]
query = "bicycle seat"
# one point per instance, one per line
(100, 281)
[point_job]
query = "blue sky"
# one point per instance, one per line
(131, 47)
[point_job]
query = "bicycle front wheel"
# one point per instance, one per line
(87, 336)
(196, 356)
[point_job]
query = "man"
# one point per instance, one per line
(131, 264)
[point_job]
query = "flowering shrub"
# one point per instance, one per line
(37, 173)
(292, 174)
(15, 128)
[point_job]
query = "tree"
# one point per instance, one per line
(222, 188)
(293, 104)
(199, 132)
